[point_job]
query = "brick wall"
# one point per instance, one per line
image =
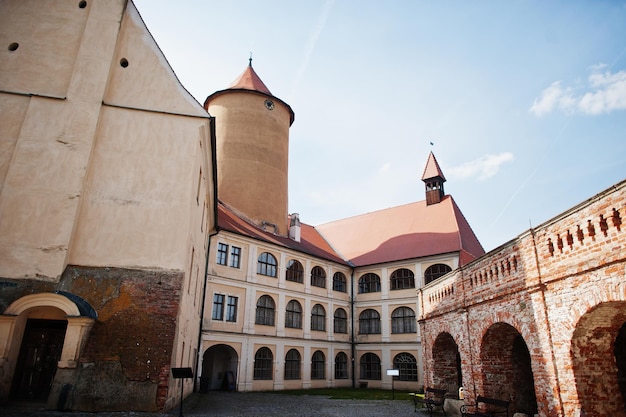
(126, 360)
(536, 320)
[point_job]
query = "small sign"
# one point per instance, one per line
(393, 372)
(179, 373)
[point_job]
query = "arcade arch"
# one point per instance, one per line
(219, 368)
(447, 363)
(598, 353)
(506, 368)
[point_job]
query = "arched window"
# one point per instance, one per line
(370, 366)
(266, 265)
(318, 364)
(318, 277)
(292, 364)
(403, 320)
(294, 272)
(339, 282)
(263, 360)
(369, 283)
(407, 365)
(340, 321)
(265, 310)
(341, 366)
(435, 271)
(369, 322)
(293, 315)
(318, 318)
(402, 278)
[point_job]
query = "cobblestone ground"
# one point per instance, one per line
(224, 404)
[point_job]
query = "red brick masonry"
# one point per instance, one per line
(560, 289)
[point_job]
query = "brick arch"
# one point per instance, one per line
(523, 321)
(595, 295)
(446, 361)
(506, 368)
(598, 362)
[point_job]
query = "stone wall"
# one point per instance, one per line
(558, 291)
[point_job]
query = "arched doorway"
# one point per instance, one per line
(598, 353)
(219, 369)
(41, 335)
(507, 368)
(447, 363)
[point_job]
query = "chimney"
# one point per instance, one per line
(294, 227)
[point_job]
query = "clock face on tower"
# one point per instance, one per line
(269, 104)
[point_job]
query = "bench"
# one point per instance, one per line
(491, 408)
(433, 397)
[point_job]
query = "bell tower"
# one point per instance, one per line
(434, 179)
(252, 150)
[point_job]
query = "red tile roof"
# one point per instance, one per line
(310, 240)
(409, 231)
(249, 80)
(432, 169)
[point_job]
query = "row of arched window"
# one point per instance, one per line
(402, 318)
(294, 272)
(369, 365)
(400, 279)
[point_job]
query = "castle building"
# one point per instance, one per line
(142, 232)
(290, 305)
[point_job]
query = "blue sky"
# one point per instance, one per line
(525, 101)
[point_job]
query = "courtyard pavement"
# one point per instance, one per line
(251, 404)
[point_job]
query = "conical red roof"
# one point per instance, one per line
(432, 169)
(249, 80)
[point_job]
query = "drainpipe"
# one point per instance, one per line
(208, 245)
(352, 340)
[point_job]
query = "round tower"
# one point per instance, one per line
(252, 150)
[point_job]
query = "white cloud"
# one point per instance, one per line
(482, 168)
(384, 168)
(605, 92)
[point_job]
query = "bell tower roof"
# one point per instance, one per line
(432, 169)
(249, 80)
(434, 179)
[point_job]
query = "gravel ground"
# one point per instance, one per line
(251, 404)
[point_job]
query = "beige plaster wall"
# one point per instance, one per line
(99, 161)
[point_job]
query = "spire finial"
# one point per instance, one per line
(250, 59)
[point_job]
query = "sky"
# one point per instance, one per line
(524, 102)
